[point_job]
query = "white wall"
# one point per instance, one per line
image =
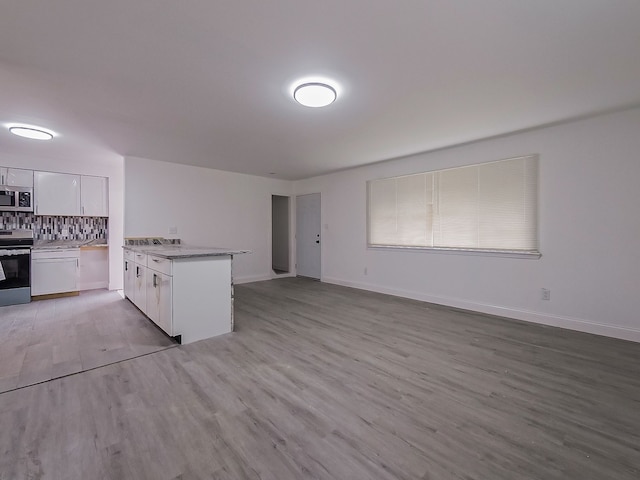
(589, 232)
(107, 165)
(208, 207)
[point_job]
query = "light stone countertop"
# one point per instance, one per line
(62, 244)
(183, 251)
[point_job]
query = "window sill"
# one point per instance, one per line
(463, 251)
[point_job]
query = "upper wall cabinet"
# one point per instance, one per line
(57, 194)
(94, 196)
(16, 177)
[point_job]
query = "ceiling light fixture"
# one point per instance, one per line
(31, 131)
(315, 94)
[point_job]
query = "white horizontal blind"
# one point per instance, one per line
(491, 206)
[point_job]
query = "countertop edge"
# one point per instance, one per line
(157, 251)
(67, 247)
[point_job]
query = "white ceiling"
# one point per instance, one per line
(205, 82)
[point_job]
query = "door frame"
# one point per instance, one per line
(291, 239)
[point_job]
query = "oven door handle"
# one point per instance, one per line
(16, 251)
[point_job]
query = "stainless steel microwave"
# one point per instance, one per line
(16, 199)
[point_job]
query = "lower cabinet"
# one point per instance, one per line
(159, 296)
(150, 288)
(140, 287)
(54, 271)
(129, 278)
(135, 279)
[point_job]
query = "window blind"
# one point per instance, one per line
(489, 206)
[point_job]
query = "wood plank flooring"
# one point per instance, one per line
(52, 338)
(327, 382)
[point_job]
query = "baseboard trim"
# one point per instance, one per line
(50, 296)
(570, 323)
(251, 278)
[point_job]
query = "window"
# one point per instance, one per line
(483, 207)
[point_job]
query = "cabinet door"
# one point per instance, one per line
(129, 279)
(153, 295)
(140, 287)
(17, 177)
(54, 275)
(165, 310)
(57, 194)
(159, 300)
(94, 193)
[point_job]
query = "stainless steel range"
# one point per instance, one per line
(15, 266)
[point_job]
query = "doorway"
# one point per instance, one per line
(280, 234)
(308, 221)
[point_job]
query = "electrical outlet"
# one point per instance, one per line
(173, 230)
(546, 294)
(366, 271)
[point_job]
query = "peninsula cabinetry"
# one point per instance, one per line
(140, 281)
(160, 293)
(187, 296)
(129, 274)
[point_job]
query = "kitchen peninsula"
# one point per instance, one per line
(185, 290)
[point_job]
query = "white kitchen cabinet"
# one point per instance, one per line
(57, 194)
(159, 300)
(94, 196)
(16, 177)
(129, 278)
(135, 286)
(188, 298)
(54, 271)
(140, 285)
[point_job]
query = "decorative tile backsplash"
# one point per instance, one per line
(56, 228)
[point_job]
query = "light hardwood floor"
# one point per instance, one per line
(326, 382)
(52, 338)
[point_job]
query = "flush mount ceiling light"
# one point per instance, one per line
(315, 94)
(31, 131)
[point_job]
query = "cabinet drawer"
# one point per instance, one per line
(141, 258)
(129, 255)
(159, 264)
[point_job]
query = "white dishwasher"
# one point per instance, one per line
(54, 270)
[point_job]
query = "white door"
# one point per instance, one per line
(308, 235)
